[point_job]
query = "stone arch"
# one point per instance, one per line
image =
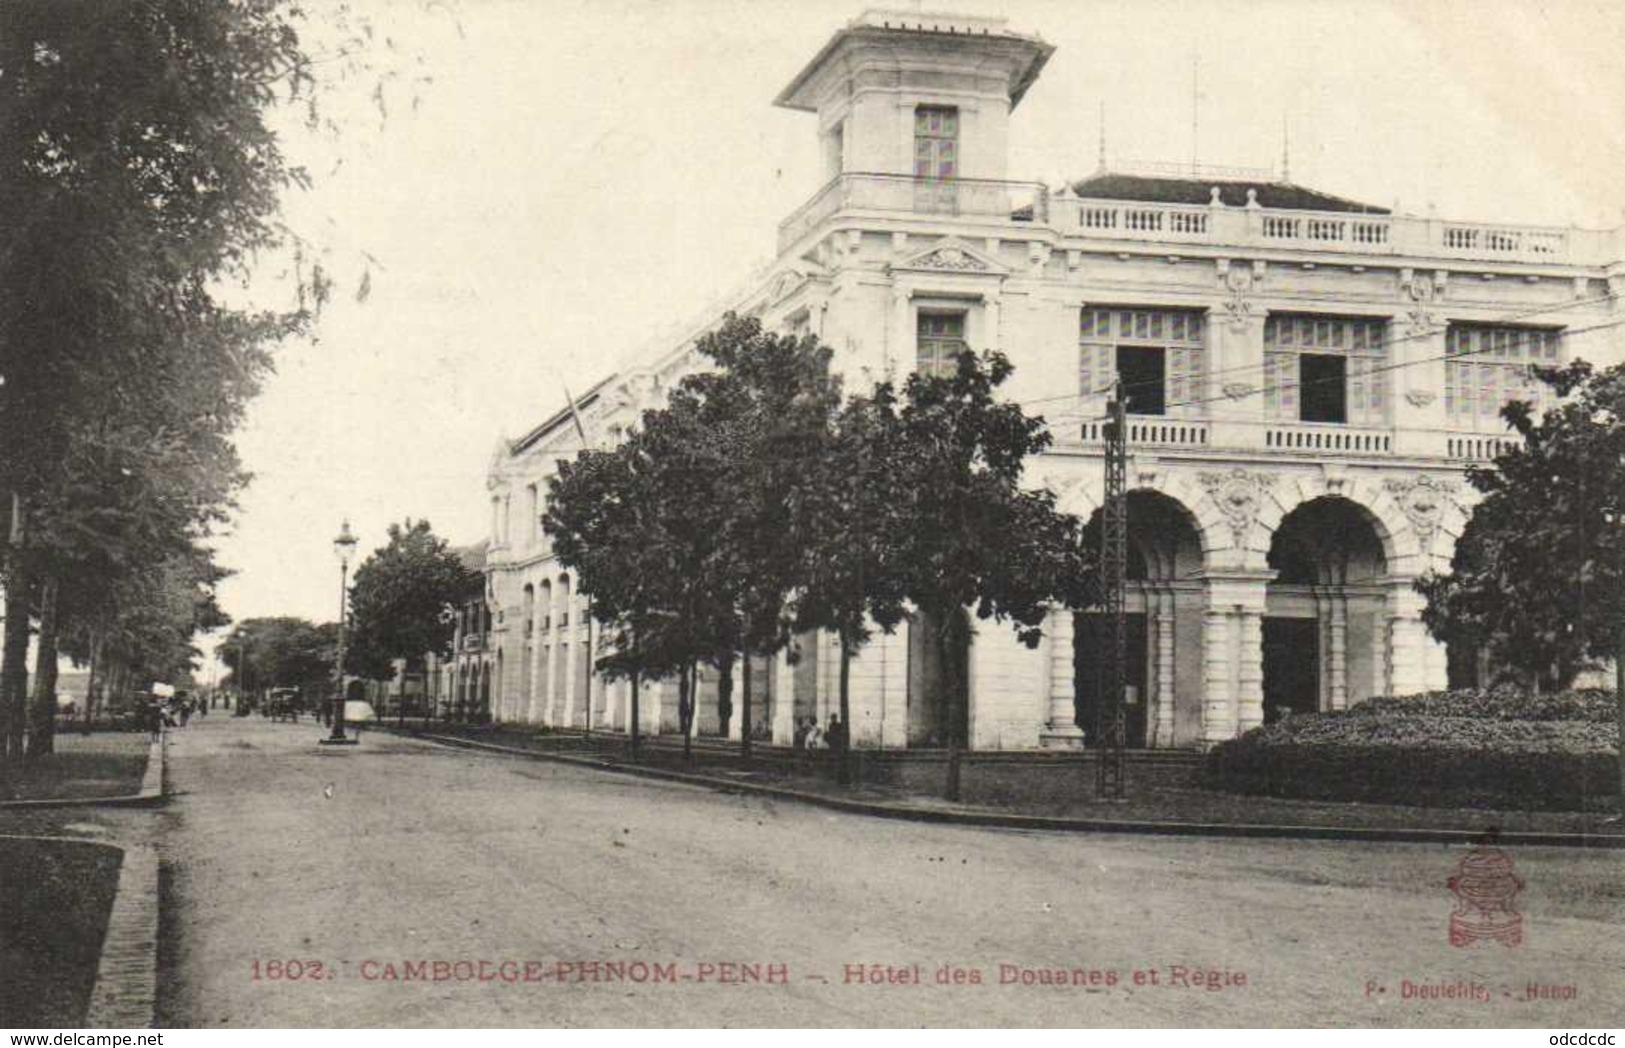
(1082, 495)
(1324, 629)
(1164, 605)
(1284, 497)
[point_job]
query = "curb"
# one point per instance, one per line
(126, 992)
(964, 817)
(150, 795)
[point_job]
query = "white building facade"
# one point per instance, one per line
(1307, 378)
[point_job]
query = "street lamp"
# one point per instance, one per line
(343, 546)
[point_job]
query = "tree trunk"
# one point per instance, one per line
(1619, 708)
(948, 636)
(744, 709)
(725, 696)
(843, 769)
(637, 686)
(685, 710)
(93, 682)
(42, 724)
(14, 668)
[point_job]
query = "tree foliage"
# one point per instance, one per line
(1538, 575)
(281, 652)
(141, 178)
(398, 597)
(758, 503)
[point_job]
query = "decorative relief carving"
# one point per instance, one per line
(1237, 390)
(950, 258)
(1420, 398)
(1238, 308)
(1239, 495)
(1423, 499)
(1423, 291)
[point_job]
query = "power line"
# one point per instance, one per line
(1384, 344)
(1336, 378)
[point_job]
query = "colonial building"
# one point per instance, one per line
(1306, 376)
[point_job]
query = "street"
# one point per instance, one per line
(422, 886)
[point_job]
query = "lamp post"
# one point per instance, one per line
(343, 546)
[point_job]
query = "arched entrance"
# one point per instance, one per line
(1163, 702)
(1323, 638)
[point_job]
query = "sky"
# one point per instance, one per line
(577, 178)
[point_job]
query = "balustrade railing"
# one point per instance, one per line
(1311, 436)
(1029, 204)
(906, 194)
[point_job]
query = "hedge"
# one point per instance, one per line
(1476, 749)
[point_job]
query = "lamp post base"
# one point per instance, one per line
(330, 741)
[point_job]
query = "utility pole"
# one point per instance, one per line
(1109, 714)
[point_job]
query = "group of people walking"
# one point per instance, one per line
(173, 712)
(809, 736)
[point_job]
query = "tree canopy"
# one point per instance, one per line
(758, 503)
(397, 598)
(1538, 575)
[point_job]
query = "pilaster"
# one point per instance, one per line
(1061, 728)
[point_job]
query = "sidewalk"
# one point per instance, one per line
(1159, 804)
(106, 768)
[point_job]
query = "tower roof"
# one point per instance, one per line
(1025, 54)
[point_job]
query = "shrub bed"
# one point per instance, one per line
(1480, 749)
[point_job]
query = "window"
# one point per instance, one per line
(1500, 370)
(936, 142)
(936, 159)
(1326, 369)
(1159, 355)
(533, 514)
(941, 340)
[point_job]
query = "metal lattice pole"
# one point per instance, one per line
(1109, 716)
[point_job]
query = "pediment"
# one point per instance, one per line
(951, 255)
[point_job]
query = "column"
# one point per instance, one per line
(1338, 655)
(1063, 710)
(1379, 655)
(901, 333)
(1162, 733)
(551, 640)
(1218, 708)
(597, 697)
(1250, 670)
(1408, 643)
(784, 698)
(572, 632)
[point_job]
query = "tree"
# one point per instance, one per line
(142, 172)
(281, 652)
(141, 176)
(962, 532)
(396, 600)
(769, 407)
(1538, 575)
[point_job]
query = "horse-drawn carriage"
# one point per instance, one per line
(284, 704)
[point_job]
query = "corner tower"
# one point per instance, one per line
(914, 94)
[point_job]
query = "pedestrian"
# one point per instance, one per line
(799, 742)
(815, 736)
(186, 711)
(155, 719)
(835, 734)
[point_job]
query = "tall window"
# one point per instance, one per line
(1325, 369)
(1159, 355)
(533, 515)
(936, 158)
(941, 339)
(1490, 366)
(936, 142)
